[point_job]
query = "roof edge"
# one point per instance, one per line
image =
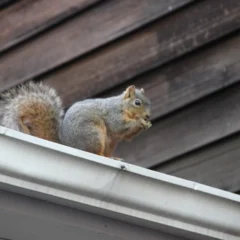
(75, 178)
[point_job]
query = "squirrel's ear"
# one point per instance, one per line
(142, 90)
(130, 92)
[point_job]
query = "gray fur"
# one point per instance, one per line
(25, 94)
(77, 128)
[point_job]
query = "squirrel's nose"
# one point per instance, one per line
(147, 116)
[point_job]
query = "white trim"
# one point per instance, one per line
(79, 179)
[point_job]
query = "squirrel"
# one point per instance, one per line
(93, 125)
(34, 109)
(98, 125)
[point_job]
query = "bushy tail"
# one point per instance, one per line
(1, 110)
(32, 108)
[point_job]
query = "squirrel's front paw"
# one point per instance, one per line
(148, 124)
(145, 124)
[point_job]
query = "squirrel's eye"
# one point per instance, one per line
(138, 102)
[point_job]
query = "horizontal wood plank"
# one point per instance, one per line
(198, 125)
(188, 79)
(29, 17)
(217, 165)
(155, 45)
(5, 3)
(108, 21)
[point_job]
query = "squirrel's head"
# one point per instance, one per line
(136, 103)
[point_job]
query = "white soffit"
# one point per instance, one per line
(75, 178)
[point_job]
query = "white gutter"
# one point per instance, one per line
(71, 177)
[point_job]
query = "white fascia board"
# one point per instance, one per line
(75, 178)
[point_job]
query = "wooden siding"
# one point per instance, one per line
(185, 53)
(5, 3)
